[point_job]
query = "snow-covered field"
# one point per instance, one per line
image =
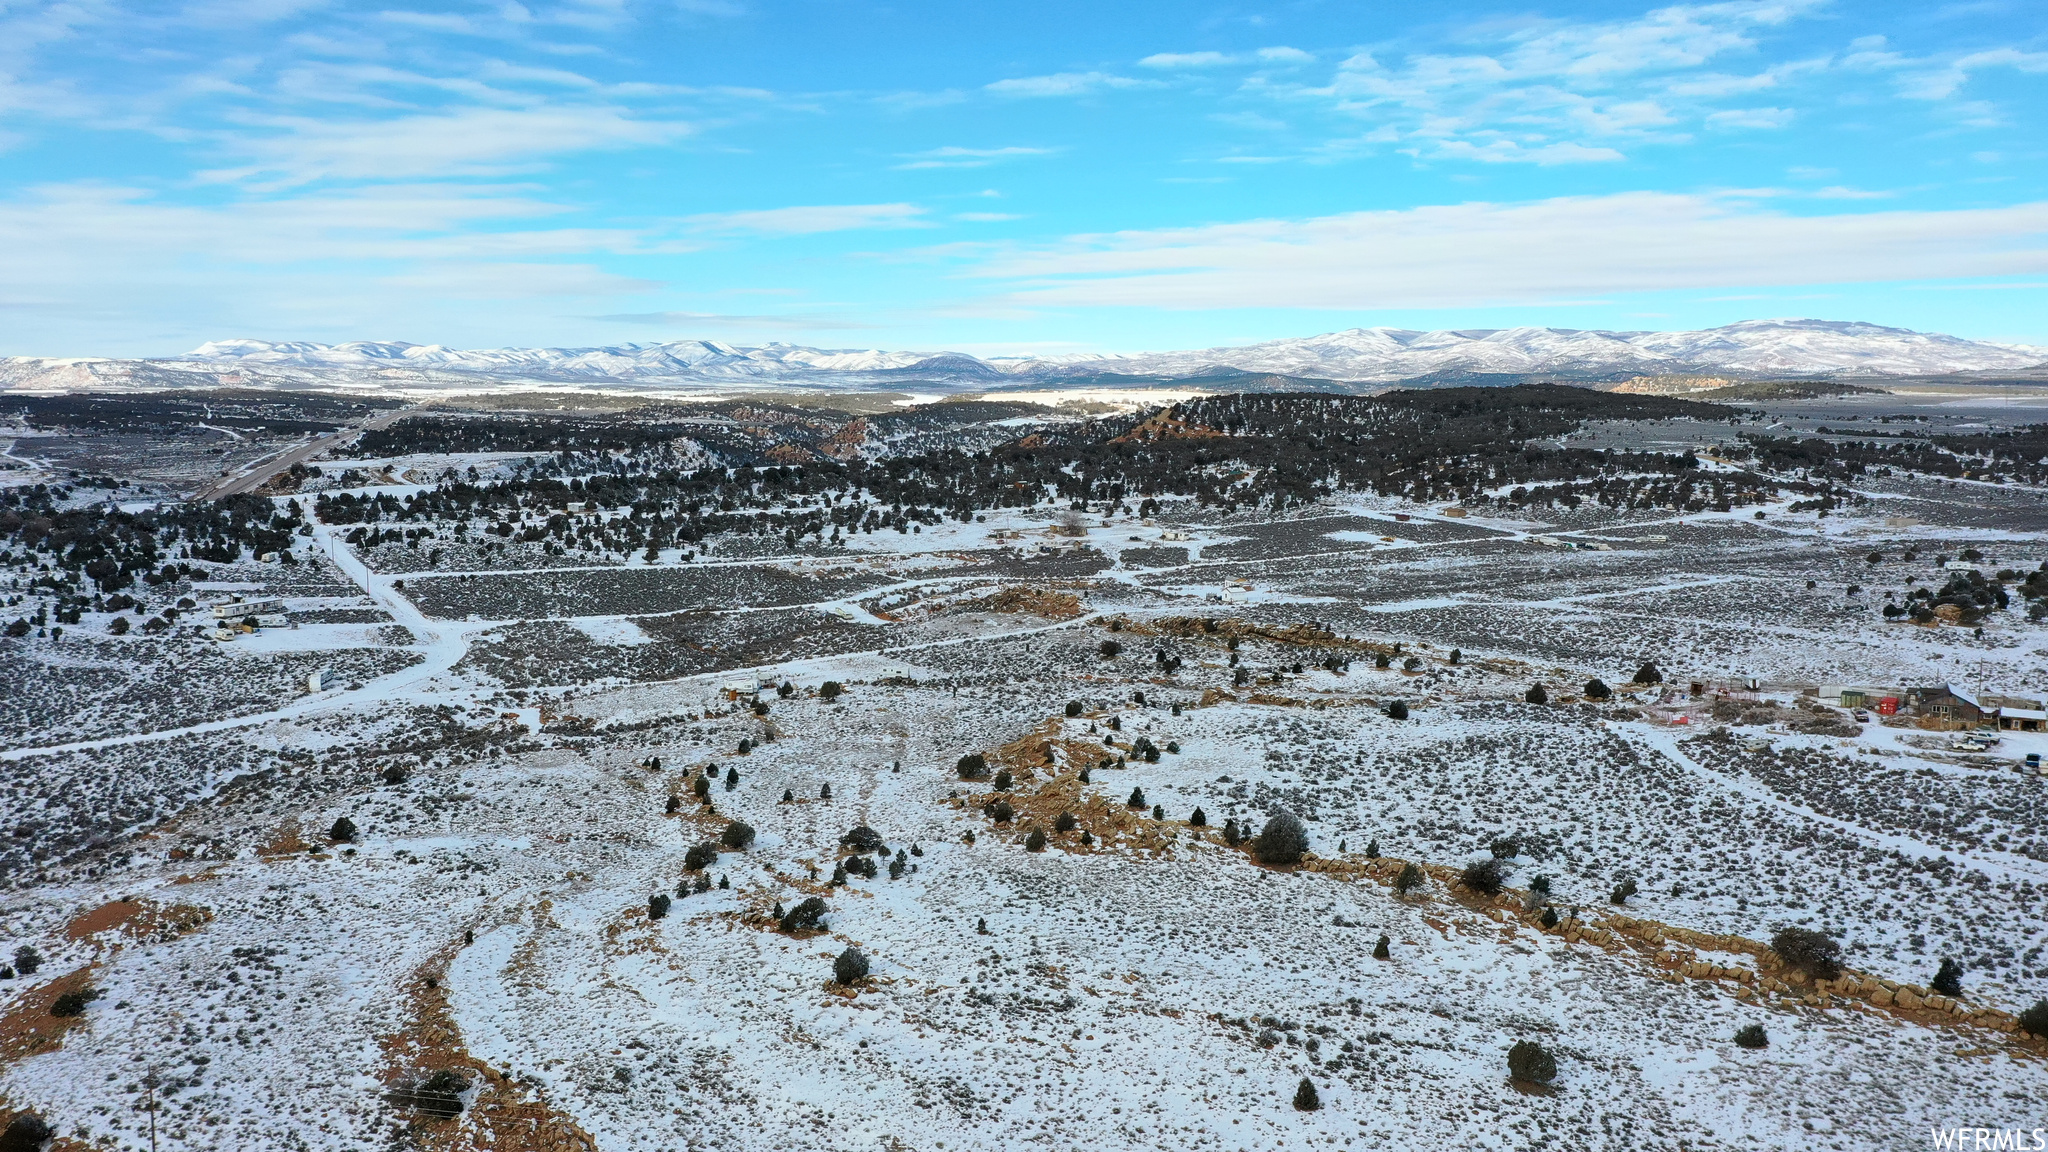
(490, 733)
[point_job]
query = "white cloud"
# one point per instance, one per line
(505, 280)
(1840, 192)
(114, 267)
(1185, 60)
(1062, 84)
(468, 141)
(810, 220)
(954, 157)
(1502, 151)
(1739, 118)
(1564, 92)
(1485, 253)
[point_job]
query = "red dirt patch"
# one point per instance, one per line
(504, 1115)
(27, 1028)
(138, 920)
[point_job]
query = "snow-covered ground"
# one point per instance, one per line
(1155, 988)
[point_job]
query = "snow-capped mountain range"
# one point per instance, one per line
(1759, 348)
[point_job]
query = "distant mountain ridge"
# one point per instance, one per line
(1356, 356)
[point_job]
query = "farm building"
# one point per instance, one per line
(1946, 706)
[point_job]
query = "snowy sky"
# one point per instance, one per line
(1009, 178)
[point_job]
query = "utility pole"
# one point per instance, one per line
(149, 1082)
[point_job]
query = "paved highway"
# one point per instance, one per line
(255, 475)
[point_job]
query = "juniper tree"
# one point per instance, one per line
(1004, 780)
(73, 1003)
(738, 835)
(829, 691)
(789, 795)
(1198, 819)
(1382, 950)
(1536, 695)
(1282, 840)
(700, 856)
(1483, 876)
(701, 786)
(1087, 837)
(1398, 710)
(1409, 879)
(1159, 811)
(723, 882)
(1531, 1063)
(1949, 979)
(1815, 953)
(805, 916)
(26, 1133)
(972, 766)
(1596, 690)
(1648, 674)
(1065, 822)
(862, 838)
(1622, 892)
(1752, 1036)
(657, 906)
(1036, 841)
(898, 867)
(1073, 708)
(1232, 835)
(1372, 849)
(2034, 1020)
(1001, 812)
(851, 967)
(732, 779)
(825, 792)
(1137, 799)
(1305, 1098)
(1549, 918)
(674, 805)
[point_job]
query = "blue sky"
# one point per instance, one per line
(1038, 178)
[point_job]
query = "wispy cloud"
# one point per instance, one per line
(509, 280)
(954, 157)
(1485, 253)
(811, 220)
(1062, 84)
(1185, 60)
(1555, 92)
(467, 141)
(1181, 61)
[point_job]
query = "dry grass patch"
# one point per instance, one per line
(502, 1114)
